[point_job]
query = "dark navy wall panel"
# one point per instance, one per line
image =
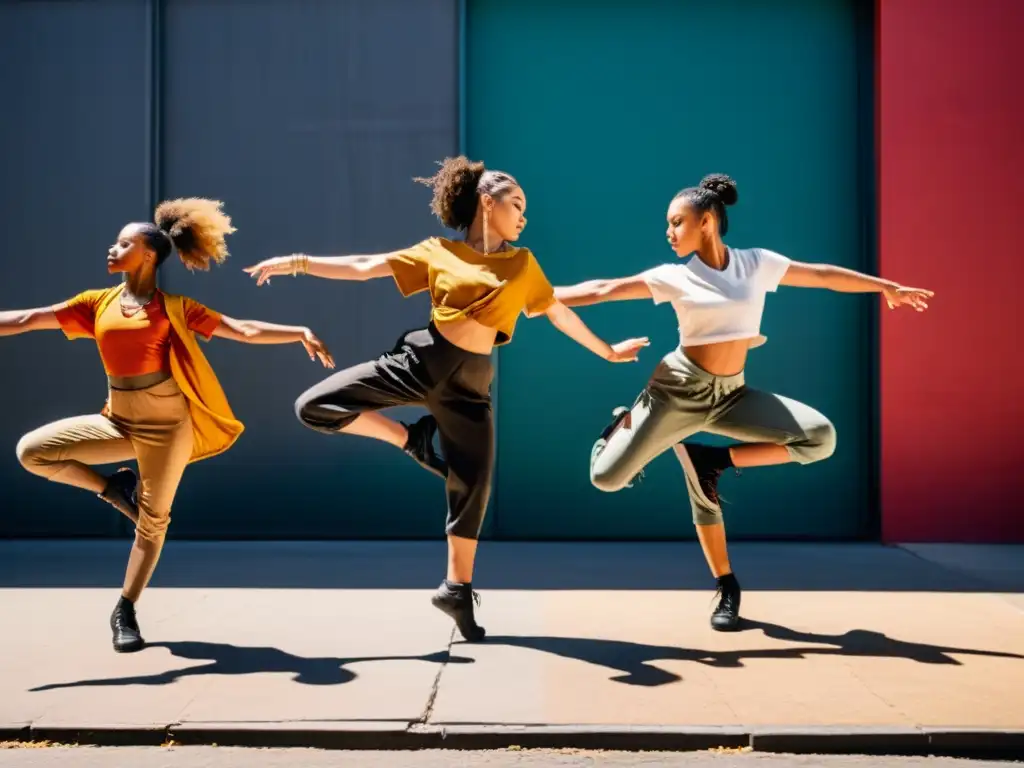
(309, 121)
(73, 170)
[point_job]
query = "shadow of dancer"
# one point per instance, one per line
(868, 643)
(226, 659)
(634, 660)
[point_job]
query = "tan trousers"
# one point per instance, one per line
(150, 425)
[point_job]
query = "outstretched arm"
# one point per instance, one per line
(330, 267)
(18, 321)
(833, 278)
(569, 323)
(259, 332)
(600, 291)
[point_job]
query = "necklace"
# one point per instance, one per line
(500, 249)
(136, 305)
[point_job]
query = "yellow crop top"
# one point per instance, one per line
(493, 290)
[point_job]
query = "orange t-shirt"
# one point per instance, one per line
(136, 345)
(463, 283)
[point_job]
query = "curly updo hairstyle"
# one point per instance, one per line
(195, 226)
(457, 188)
(714, 193)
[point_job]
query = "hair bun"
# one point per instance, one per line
(455, 191)
(722, 186)
(197, 227)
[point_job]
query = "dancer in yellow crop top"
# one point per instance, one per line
(478, 288)
(166, 407)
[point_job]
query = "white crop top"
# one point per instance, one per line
(714, 306)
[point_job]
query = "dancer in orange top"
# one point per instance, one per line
(166, 407)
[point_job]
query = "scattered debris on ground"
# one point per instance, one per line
(35, 745)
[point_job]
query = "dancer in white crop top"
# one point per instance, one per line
(719, 305)
(718, 296)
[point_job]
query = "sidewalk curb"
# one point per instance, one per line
(351, 735)
(14, 731)
(400, 735)
(606, 737)
(152, 735)
(849, 739)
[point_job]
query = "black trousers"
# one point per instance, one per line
(426, 369)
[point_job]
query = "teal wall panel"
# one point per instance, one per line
(603, 115)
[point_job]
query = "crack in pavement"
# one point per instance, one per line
(428, 708)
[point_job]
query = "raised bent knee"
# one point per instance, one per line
(818, 444)
(608, 480)
(303, 408)
(31, 455)
(320, 417)
(607, 476)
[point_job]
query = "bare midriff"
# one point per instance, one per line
(469, 335)
(725, 358)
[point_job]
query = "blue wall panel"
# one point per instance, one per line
(309, 121)
(74, 147)
(313, 147)
(603, 116)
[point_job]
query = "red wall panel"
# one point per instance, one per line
(951, 185)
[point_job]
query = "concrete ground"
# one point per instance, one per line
(210, 757)
(846, 648)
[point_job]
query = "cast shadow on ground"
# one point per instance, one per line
(227, 659)
(634, 660)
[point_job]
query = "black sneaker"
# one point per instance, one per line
(726, 616)
(618, 415)
(456, 600)
(420, 446)
(124, 625)
(703, 465)
(122, 493)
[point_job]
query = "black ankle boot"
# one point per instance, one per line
(122, 493)
(456, 600)
(420, 446)
(124, 625)
(726, 616)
